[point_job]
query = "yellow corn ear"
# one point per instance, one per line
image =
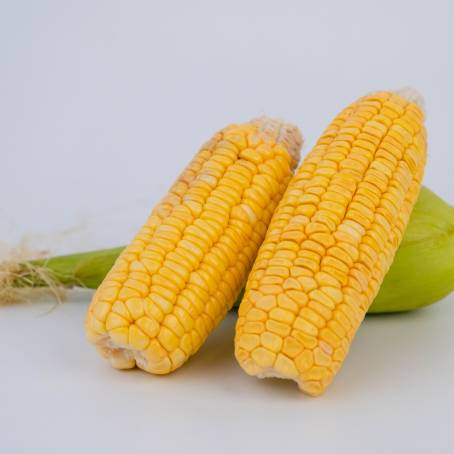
(184, 269)
(331, 241)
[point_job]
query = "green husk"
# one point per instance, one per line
(20, 279)
(422, 272)
(86, 269)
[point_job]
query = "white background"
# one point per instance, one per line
(101, 106)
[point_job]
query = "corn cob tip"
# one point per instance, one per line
(282, 132)
(411, 95)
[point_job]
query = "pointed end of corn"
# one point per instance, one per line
(411, 95)
(282, 132)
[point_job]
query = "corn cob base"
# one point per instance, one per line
(183, 271)
(331, 241)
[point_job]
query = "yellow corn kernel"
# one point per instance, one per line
(351, 199)
(291, 347)
(263, 357)
(184, 269)
(280, 328)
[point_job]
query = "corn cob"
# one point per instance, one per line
(183, 271)
(331, 241)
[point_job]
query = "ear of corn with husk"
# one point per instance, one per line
(421, 274)
(331, 241)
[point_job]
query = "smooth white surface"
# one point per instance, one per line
(101, 105)
(394, 394)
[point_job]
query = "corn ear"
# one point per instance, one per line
(331, 241)
(186, 266)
